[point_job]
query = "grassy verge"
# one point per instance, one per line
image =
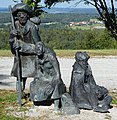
(92, 53)
(5, 53)
(9, 109)
(71, 53)
(7, 105)
(113, 93)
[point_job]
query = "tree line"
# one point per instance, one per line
(52, 17)
(67, 17)
(66, 38)
(78, 39)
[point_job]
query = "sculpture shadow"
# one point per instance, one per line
(2, 77)
(43, 103)
(26, 97)
(4, 83)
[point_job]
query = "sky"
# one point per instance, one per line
(6, 3)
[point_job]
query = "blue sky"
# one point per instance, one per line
(6, 3)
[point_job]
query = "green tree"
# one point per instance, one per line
(4, 36)
(78, 39)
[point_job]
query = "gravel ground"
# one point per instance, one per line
(105, 74)
(104, 71)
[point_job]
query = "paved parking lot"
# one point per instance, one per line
(104, 71)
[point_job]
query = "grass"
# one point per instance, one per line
(81, 27)
(92, 53)
(7, 104)
(113, 93)
(5, 53)
(86, 27)
(71, 53)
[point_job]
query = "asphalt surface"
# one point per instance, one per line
(104, 71)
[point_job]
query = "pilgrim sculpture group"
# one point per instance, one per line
(32, 58)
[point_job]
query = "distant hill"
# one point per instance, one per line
(64, 10)
(72, 10)
(61, 15)
(4, 10)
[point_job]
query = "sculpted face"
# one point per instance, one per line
(22, 17)
(39, 49)
(82, 56)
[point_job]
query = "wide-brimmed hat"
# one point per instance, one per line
(22, 7)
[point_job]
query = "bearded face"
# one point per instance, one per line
(22, 17)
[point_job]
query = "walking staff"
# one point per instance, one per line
(19, 71)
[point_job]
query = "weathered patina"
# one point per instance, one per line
(47, 84)
(86, 94)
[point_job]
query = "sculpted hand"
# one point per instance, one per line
(14, 32)
(54, 82)
(48, 90)
(40, 61)
(16, 45)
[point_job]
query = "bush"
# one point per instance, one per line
(69, 39)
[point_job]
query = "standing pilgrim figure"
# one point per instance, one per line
(23, 37)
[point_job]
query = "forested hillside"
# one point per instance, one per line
(69, 39)
(67, 17)
(56, 33)
(4, 18)
(58, 17)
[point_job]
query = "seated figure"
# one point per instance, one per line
(85, 93)
(47, 84)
